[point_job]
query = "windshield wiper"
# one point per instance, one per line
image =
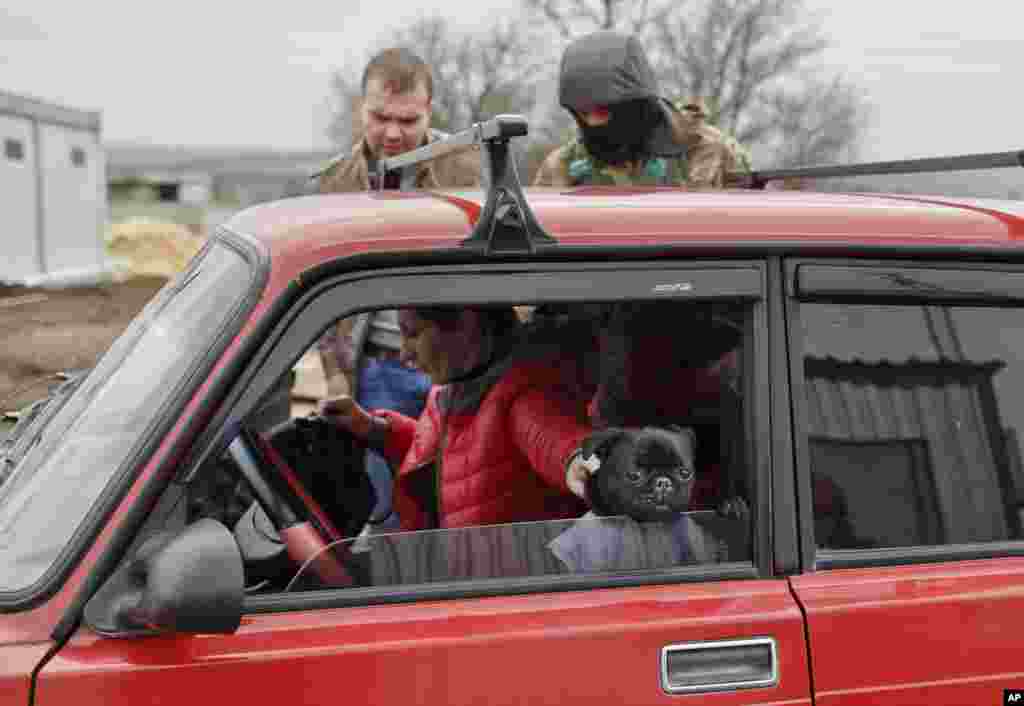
(18, 442)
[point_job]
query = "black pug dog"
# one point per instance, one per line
(646, 474)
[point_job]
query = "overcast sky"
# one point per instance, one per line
(944, 77)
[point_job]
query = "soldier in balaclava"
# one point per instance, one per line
(628, 134)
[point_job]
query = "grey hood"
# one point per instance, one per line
(609, 67)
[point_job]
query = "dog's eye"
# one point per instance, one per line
(635, 476)
(686, 472)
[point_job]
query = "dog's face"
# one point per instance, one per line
(646, 474)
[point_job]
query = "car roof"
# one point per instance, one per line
(304, 232)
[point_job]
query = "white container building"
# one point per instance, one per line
(53, 205)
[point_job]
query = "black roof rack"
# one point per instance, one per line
(992, 160)
(506, 223)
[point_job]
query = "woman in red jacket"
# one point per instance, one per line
(500, 428)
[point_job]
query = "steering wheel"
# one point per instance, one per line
(287, 518)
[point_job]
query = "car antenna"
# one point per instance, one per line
(992, 160)
(506, 224)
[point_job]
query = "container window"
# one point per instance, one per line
(14, 150)
(78, 156)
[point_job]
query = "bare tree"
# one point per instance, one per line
(732, 51)
(751, 61)
(570, 18)
(476, 75)
(818, 124)
(343, 127)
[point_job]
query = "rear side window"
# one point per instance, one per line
(913, 421)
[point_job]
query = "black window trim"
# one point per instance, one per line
(785, 488)
(892, 282)
(486, 588)
(345, 294)
(797, 292)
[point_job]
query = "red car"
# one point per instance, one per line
(164, 540)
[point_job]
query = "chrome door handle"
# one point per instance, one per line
(719, 666)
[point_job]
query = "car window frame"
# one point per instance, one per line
(809, 286)
(53, 580)
(339, 295)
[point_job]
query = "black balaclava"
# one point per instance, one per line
(626, 136)
(610, 69)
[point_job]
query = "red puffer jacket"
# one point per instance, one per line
(503, 460)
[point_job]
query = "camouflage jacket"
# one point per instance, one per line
(352, 172)
(710, 157)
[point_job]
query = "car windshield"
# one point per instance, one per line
(66, 459)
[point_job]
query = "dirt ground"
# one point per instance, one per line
(46, 331)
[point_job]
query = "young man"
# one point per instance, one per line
(394, 117)
(628, 133)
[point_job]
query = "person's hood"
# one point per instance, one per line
(609, 67)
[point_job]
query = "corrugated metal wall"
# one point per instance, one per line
(947, 405)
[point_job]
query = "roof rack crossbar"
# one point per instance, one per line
(506, 224)
(432, 150)
(992, 160)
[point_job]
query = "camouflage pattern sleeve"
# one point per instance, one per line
(712, 155)
(459, 170)
(469, 167)
(552, 171)
(707, 159)
(739, 161)
(326, 182)
(344, 173)
(704, 154)
(327, 174)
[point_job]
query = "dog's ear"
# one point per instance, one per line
(600, 441)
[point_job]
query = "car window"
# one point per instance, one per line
(913, 423)
(72, 458)
(475, 488)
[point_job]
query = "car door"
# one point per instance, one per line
(724, 631)
(909, 414)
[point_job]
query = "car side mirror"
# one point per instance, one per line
(191, 581)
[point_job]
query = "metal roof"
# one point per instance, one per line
(46, 112)
(127, 161)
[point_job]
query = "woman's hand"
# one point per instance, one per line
(578, 473)
(345, 412)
